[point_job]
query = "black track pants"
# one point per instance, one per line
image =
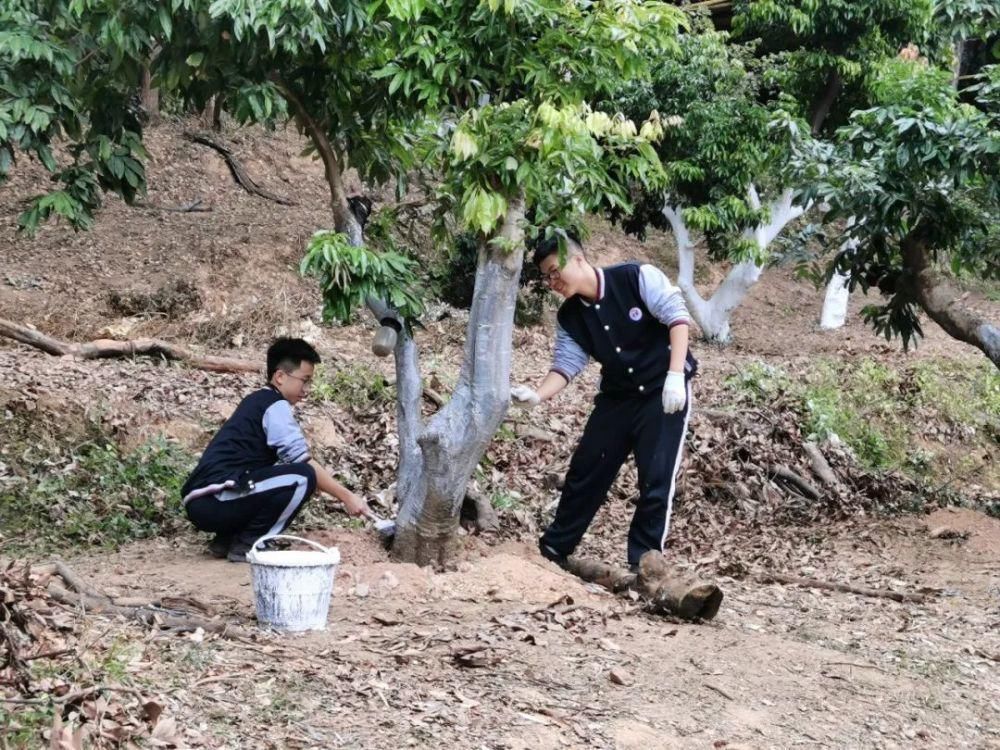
(619, 426)
(278, 495)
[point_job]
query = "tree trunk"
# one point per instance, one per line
(148, 96)
(436, 460)
(941, 299)
(956, 71)
(436, 470)
(343, 219)
(834, 313)
(218, 102)
(712, 315)
(822, 109)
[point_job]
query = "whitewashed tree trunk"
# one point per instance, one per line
(713, 315)
(437, 458)
(834, 313)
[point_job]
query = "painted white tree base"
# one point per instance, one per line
(834, 313)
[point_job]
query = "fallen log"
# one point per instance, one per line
(90, 599)
(243, 179)
(678, 594)
(812, 583)
(110, 349)
(664, 590)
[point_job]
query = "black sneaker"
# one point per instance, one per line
(238, 552)
(219, 546)
(550, 554)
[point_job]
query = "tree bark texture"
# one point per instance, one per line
(432, 487)
(942, 300)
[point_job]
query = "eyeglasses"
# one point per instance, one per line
(551, 277)
(305, 381)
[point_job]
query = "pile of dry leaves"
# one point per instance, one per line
(59, 670)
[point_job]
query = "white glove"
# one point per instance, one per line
(674, 393)
(524, 396)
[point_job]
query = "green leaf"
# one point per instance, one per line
(165, 23)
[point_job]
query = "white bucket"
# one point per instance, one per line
(292, 587)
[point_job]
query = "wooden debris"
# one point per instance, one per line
(664, 590)
(819, 465)
(674, 593)
(947, 532)
(798, 482)
(110, 348)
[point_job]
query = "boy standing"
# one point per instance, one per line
(257, 473)
(633, 321)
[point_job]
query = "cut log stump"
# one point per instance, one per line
(665, 590)
(669, 591)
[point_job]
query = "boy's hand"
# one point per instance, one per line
(524, 396)
(674, 393)
(354, 505)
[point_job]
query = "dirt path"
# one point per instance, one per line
(780, 667)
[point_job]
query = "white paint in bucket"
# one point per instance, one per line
(292, 588)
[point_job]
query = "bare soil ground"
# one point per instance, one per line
(506, 651)
(780, 666)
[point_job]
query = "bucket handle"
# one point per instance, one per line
(310, 542)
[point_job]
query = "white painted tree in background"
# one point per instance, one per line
(713, 314)
(787, 75)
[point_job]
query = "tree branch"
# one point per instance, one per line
(243, 179)
(344, 219)
(685, 256)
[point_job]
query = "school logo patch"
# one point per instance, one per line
(636, 314)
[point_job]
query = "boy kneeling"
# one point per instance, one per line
(257, 473)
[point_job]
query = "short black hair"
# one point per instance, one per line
(287, 354)
(546, 246)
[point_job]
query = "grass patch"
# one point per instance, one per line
(354, 386)
(504, 501)
(91, 493)
(932, 419)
